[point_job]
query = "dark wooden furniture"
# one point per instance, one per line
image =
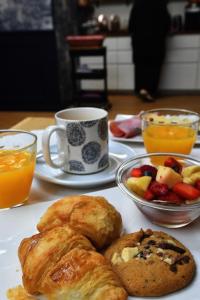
(82, 97)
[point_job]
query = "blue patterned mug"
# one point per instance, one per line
(82, 140)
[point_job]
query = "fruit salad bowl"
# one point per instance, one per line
(164, 186)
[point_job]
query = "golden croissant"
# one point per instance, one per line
(82, 275)
(61, 264)
(42, 251)
(93, 216)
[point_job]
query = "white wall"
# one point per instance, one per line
(177, 8)
(123, 10)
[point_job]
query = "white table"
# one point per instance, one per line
(16, 224)
(44, 191)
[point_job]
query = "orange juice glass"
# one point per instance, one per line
(169, 130)
(17, 163)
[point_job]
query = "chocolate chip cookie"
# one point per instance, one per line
(151, 263)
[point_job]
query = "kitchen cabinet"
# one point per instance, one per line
(179, 76)
(119, 65)
(180, 72)
(112, 77)
(180, 69)
(120, 55)
(125, 77)
(183, 41)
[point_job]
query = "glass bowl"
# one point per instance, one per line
(157, 211)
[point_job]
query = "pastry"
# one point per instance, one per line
(85, 275)
(151, 263)
(40, 252)
(93, 216)
(18, 293)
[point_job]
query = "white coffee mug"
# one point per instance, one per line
(82, 140)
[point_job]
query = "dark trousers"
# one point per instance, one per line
(147, 76)
(148, 57)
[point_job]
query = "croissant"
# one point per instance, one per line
(82, 275)
(93, 216)
(39, 253)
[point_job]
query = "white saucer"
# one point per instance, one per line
(118, 153)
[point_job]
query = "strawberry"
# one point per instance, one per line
(148, 170)
(173, 164)
(197, 184)
(136, 172)
(159, 189)
(172, 198)
(186, 191)
(148, 195)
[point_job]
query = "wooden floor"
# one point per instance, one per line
(133, 105)
(124, 104)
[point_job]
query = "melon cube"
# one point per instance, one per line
(139, 185)
(168, 176)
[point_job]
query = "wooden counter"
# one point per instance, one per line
(33, 123)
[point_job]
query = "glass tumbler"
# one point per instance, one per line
(17, 163)
(169, 130)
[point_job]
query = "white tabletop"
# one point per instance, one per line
(133, 220)
(44, 191)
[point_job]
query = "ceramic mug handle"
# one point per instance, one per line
(46, 147)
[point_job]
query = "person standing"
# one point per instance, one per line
(149, 23)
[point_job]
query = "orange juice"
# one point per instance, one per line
(16, 174)
(169, 138)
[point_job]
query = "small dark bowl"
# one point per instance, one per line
(85, 41)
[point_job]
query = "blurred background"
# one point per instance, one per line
(35, 72)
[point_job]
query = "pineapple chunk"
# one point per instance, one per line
(139, 184)
(192, 179)
(188, 171)
(168, 176)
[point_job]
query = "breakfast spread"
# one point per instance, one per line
(63, 260)
(151, 263)
(170, 183)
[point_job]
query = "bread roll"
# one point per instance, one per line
(93, 216)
